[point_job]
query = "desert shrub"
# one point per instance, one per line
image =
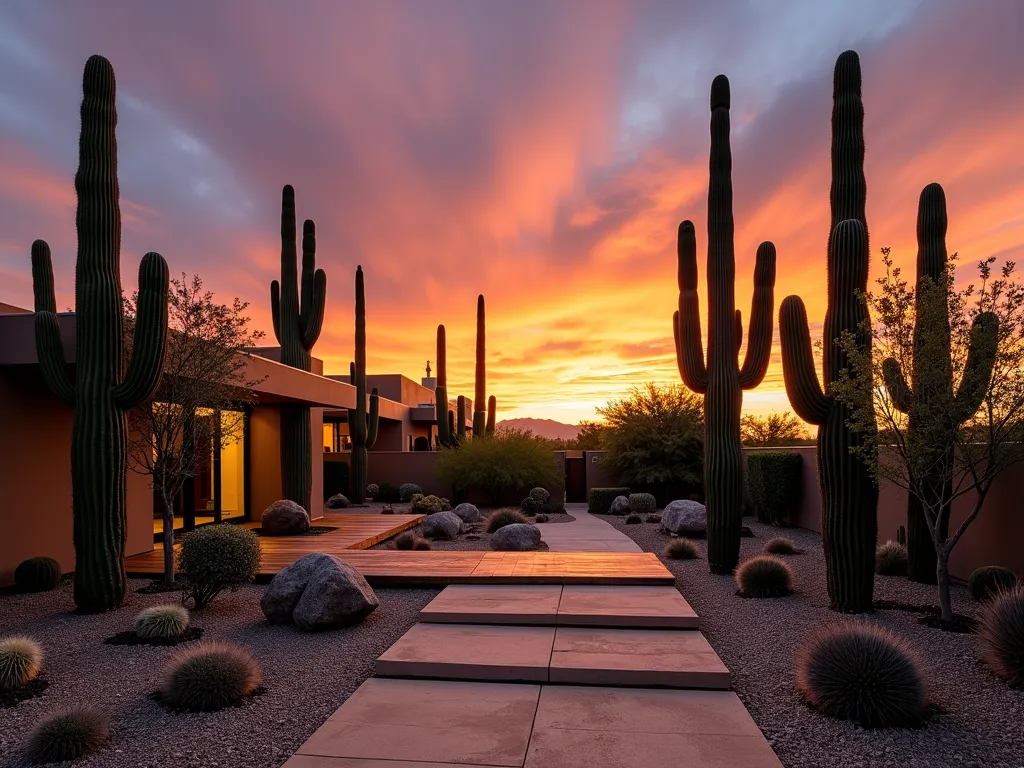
(653, 518)
(1001, 635)
(37, 574)
(407, 490)
(599, 500)
(633, 520)
(217, 557)
(68, 735)
(387, 509)
(388, 494)
(509, 461)
(541, 495)
(642, 502)
(774, 479)
(21, 658)
(162, 621)
(372, 490)
(764, 576)
(891, 559)
(502, 517)
(861, 672)
(553, 507)
(428, 505)
(529, 506)
(541, 518)
(986, 581)
(421, 543)
(406, 540)
(681, 549)
(780, 546)
(211, 676)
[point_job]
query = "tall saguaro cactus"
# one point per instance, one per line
(460, 415)
(362, 427)
(722, 380)
(849, 495)
(101, 391)
(492, 412)
(931, 389)
(297, 327)
(480, 391)
(444, 432)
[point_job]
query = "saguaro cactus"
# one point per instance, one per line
(480, 392)
(492, 412)
(297, 328)
(721, 381)
(102, 391)
(362, 428)
(849, 495)
(444, 432)
(460, 415)
(931, 389)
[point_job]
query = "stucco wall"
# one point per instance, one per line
(265, 459)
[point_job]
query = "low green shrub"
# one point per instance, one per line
(774, 480)
(599, 500)
(541, 518)
(211, 676)
(372, 491)
(540, 495)
(68, 735)
(387, 494)
(764, 576)
(407, 490)
(633, 520)
(862, 672)
(553, 507)
(780, 546)
(21, 658)
(162, 621)
(681, 549)
(1001, 635)
(428, 505)
(642, 503)
(502, 517)
(510, 461)
(891, 559)
(37, 574)
(217, 557)
(406, 541)
(530, 506)
(986, 581)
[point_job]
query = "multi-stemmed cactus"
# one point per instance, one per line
(721, 380)
(102, 391)
(362, 427)
(480, 391)
(931, 388)
(441, 411)
(297, 327)
(849, 494)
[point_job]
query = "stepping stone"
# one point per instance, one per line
(610, 606)
(470, 652)
(636, 657)
(315, 761)
(494, 604)
(582, 727)
(408, 723)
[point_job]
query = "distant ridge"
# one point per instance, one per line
(549, 428)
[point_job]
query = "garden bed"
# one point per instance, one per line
(979, 725)
(306, 676)
(473, 537)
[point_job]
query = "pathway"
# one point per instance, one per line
(586, 534)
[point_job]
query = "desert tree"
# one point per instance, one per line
(772, 430)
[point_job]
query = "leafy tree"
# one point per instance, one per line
(772, 430)
(966, 450)
(205, 384)
(654, 439)
(589, 436)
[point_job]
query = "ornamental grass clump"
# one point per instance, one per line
(891, 559)
(780, 545)
(68, 735)
(1000, 635)
(421, 544)
(503, 517)
(162, 622)
(406, 541)
(988, 580)
(862, 672)
(21, 658)
(764, 576)
(217, 557)
(211, 676)
(681, 549)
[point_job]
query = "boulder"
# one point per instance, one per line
(442, 525)
(284, 518)
(685, 518)
(318, 592)
(620, 506)
(468, 513)
(517, 537)
(337, 501)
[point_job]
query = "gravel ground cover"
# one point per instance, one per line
(982, 723)
(307, 677)
(473, 537)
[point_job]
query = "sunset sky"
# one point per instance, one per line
(539, 152)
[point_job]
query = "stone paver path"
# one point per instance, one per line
(585, 534)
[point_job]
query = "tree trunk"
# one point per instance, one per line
(942, 576)
(168, 514)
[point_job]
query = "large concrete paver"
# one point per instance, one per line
(495, 604)
(318, 761)
(636, 657)
(585, 534)
(598, 605)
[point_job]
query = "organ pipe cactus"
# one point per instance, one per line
(297, 327)
(102, 391)
(480, 392)
(931, 387)
(444, 432)
(460, 415)
(492, 412)
(849, 495)
(722, 380)
(362, 428)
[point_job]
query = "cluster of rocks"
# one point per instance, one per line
(318, 592)
(517, 537)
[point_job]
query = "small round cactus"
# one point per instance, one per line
(210, 677)
(986, 581)
(161, 622)
(780, 546)
(68, 735)
(21, 658)
(681, 549)
(37, 574)
(1001, 635)
(764, 576)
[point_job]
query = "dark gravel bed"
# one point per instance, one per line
(307, 677)
(982, 722)
(473, 536)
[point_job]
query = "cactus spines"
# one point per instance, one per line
(362, 426)
(460, 417)
(492, 412)
(297, 327)
(441, 411)
(931, 387)
(102, 391)
(722, 380)
(480, 390)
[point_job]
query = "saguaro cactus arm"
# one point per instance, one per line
(373, 419)
(49, 347)
(150, 336)
(314, 288)
(798, 372)
(981, 357)
(759, 341)
(896, 385)
(689, 345)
